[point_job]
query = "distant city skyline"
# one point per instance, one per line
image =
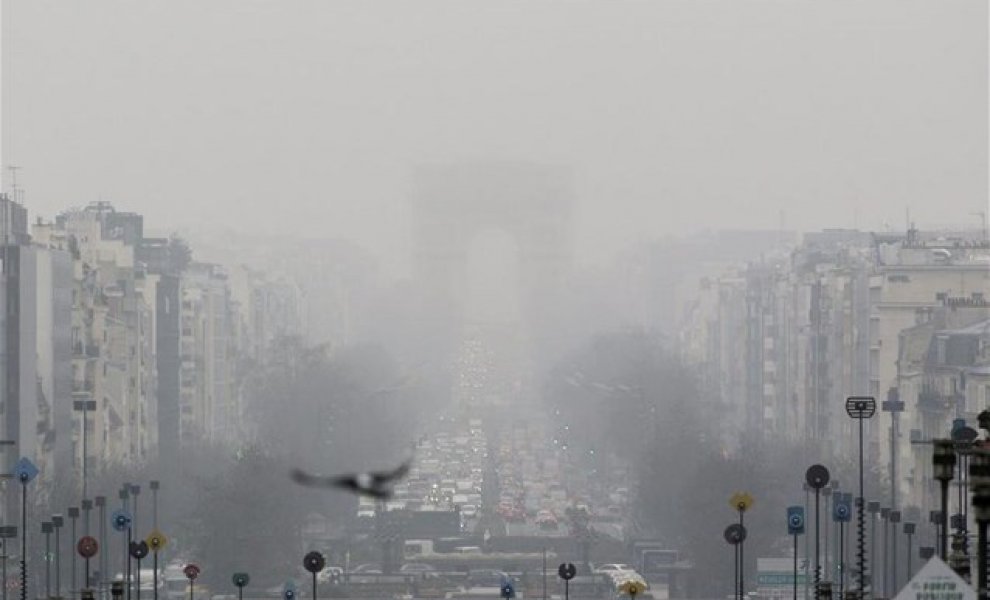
(309, 119)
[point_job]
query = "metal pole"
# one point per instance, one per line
(818, 564)
(886, 553)
(101, 502)
(190, 589)
(23, 541)
(742, 562)
(155, 580)
(873, 553)
(127, 551)
(981, 553)
(826, 569)
(137, 586)
(841, 573)
(910, 570)
(58, 561)
(943, 542)
(314, 585)
(48, 564)
(735, 573)
(861, 539)
(807, 548)
(567, 590)
(795, 564)
(544, 573)
(73, 515)
(894, 579)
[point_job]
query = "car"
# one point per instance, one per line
(612, 568)
(368, 569)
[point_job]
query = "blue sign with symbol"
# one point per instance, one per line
(507, 590)
(842, 509)
(121, 520)
(25, 470)
(795, 520)
(289, 591)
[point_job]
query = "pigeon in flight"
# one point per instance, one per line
(378, 485)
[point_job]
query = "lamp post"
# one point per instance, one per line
(894, 405)
(826, 569)
(57, 522)
(101, 504)
(874, 509)
(46, 529)
(861, 408)
(885, 517)
(909, 532)
(154, 485)
(817, 477)
(73, 516)
(943, 465)
(124, 494)
(979, 474)
(895, 518)
(84, 405)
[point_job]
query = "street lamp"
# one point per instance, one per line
(101, 504)
(873, 508)
(885, 517)
(861, 408)
(57, 522)
(909, 532)
(979, 474)
(817, 477)
(46, 529)
(895, 518)
(73, 515)
(84, 406)
(943, 465)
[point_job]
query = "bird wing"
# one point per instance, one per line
(388, 476)
(303, 478)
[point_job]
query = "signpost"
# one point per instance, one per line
(138, 551)
(741, 502)
(841, 512)
(817, 477)
(314, 563)
(156, 540)
(240, 580)
(795, 527)
(191, 571)
(567, 571)
(87, 548)
(25, 472)
(936, 581)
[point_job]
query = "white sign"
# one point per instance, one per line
(936, 581)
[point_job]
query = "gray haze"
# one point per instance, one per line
(309, 117)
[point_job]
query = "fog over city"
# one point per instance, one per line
(462, 300)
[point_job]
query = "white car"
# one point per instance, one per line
(612, 568)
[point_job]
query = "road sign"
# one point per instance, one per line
(156, 540)
(25, 470)
(121, 520)
(507, 590)
(936, 581)
(241, 579)
(735, 534)
(288, 591)
(139, 550)
(861, 407)
(191, 571)
(817, 476)
(314, 562)
(795, 520)
(842, 508)
(87, 546)
(741, 501)
(567, 571)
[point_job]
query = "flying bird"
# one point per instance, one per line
(379, 485)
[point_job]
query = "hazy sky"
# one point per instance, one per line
(291, 116)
